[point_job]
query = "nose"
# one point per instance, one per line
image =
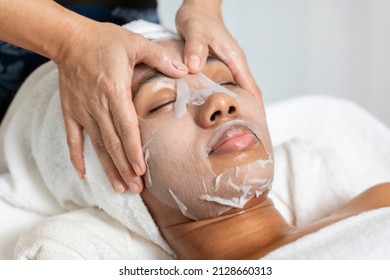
(218, 108)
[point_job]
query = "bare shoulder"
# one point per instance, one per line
(375, 197)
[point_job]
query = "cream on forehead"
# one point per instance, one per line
(181, 176)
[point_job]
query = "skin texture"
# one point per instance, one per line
(240, 233)
(213, 176)
(96, 62)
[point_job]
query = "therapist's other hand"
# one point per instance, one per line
(201, 25)
(95, 75)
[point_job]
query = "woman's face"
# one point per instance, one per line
(206, 140)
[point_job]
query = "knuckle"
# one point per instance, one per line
(126, 127)
(110, 87)
(135, 37)
(242, 56)
(196, 47)
(93, 103)
(140, 47)
(195, 26)
(106, 85)
(113, 146)
(72, 142)
(96, 106)
(100, 148)
(161, 54)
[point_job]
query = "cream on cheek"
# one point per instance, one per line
(179, 170)
(235, 186)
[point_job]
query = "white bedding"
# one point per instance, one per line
(344, 149)
(364, 236)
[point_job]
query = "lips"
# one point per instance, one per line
(233, 139)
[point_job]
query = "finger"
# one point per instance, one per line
(125, 163)
(157, 56)
(196, 47)
(126, 124)
(105, 159)
(118, 122)
(244, 78)
(237, 63)
(75, 140)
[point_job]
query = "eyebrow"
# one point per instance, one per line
(157, 74)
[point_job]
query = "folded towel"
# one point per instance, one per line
(85, 234)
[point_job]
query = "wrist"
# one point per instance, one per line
(41, 26)
(71, 38)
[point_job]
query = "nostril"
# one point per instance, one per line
(232, 110)
(215, 115)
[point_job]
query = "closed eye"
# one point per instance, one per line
(155, 109)
(228, 84)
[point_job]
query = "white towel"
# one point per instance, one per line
(361, 237)
(310, 182)
(151, 31)
(341, 149)
(85, 234)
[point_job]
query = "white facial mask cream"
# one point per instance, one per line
(194, 90)
(179, 170)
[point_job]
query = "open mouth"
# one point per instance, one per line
(233, 138)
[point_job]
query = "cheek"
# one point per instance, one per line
(178, 171)
(174, 158)
(252, 110)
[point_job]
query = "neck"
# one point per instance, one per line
(248, 233)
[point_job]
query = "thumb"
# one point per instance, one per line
(159, 57)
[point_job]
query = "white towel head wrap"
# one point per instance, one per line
(151, 31)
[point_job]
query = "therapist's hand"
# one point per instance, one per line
(95, 75)
(200, 23)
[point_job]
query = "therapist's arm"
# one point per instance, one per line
(95, 62)
(201, 25)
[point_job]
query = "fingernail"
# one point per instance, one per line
(194, 62)
(137, 169)
(134, 187)
(118, 187)
(179, 66)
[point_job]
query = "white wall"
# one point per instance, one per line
(300, 47)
